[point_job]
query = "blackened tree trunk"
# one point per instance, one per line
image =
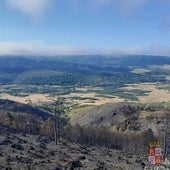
(166, 136)
(59, 109)
(55, 127)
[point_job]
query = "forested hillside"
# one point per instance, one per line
(81, 70)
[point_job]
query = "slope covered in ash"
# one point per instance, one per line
(124, 116)
(12, 106)
(18, 151)
(107, 114)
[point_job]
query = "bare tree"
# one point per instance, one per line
(58, 110)
(166, 139)
(29, 118)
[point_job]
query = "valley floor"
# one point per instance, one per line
(139, 93)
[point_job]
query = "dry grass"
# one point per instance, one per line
(155, 95)
(84, 98)
(98, 101)
(75, 98)
(163, 67)
(34, 98)
(145, 114)
(140, 71)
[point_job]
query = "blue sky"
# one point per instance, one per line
(54, 27)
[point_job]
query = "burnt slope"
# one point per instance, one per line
(9, 105)
(125, 117)
(108, 114)
(20, 151)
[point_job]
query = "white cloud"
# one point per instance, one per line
(37, 48)
(158, 50)
(33, 8)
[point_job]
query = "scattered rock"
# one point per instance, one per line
(17, 146)
(75, 164)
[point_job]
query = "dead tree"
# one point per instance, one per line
(58, 110)
(29, 116)
(58, 107)
(166, 139)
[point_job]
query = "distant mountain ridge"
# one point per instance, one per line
(77, 70)
(73, 63)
